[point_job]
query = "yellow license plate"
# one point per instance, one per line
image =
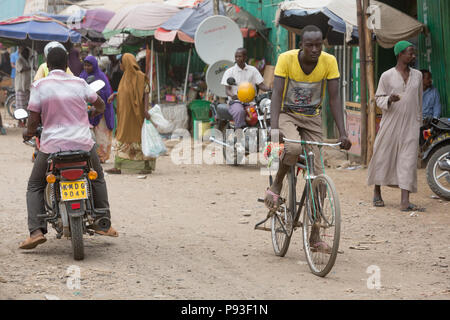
(73, 190)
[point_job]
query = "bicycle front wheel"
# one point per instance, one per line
(282, 221)
(321, 225)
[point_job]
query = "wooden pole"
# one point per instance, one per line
(216, 7)
(362, 82)
(371, 114)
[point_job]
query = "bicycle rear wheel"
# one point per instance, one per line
(282, 221)
(321, 225)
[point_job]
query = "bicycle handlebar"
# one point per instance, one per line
(313, 142)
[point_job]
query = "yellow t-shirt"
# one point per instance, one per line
(303, 94)
(42, 72)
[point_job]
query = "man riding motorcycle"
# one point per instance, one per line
(242, 73)
(59, 102)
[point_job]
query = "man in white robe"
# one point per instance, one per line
(394, 161)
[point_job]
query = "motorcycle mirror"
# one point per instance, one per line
(20, 114)
(97, 85)
(231, 81)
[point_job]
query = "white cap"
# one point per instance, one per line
(51, 45)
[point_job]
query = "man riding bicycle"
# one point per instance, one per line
(299, 87)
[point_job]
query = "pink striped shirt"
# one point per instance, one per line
(61, 100)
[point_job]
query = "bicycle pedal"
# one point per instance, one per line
(260, 200)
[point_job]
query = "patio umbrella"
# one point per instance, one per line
(295, 15)
(36, 31)
(185, 23)
(338, 18)
(94, 22)
(140, 20)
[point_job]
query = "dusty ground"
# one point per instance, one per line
(186, 232)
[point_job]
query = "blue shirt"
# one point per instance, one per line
(431, 103)
(13, 58)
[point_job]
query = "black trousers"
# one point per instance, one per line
(37, 184)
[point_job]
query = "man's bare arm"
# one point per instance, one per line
(263, 87)
(277, 96)
(32, 124)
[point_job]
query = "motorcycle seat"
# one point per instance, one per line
(70, 156)
(223, 113)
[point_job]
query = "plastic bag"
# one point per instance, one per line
(152, 144)
(162, 124)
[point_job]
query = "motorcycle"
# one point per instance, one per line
(68, 195)
(238, 143)
(435, 148)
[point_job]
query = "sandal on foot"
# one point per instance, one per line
(113, 171)
(110, 233)
(32, 242)
(275, 198)
(378, 202)
(321, 247)
(413, 207)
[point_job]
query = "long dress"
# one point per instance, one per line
(130, 118)
(394, 161)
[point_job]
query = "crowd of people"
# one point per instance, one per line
(126, 89)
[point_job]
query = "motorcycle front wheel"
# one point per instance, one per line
(76, 233)
(438, 179)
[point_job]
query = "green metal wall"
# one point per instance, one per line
(278, 37)
(434, 49)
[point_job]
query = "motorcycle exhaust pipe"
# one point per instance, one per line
(103, 223)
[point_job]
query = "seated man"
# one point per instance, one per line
(43, 69)
(60, 101)
(241, 72)
(431, 106)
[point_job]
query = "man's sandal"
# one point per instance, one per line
(413, 207)
(32, 242)
(378, 202)
(321, 247)
(275, 199)
(110, 233)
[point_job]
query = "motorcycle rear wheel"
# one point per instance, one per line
(439, 180)
(76, 233)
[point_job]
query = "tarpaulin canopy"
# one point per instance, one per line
(337, 18)
(185, 23)
(36, 30)
(140, 20)
(113, 5)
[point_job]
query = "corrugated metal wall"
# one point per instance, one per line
(434, 49)
(11, 8)
(266, 10)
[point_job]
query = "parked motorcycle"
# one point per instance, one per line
(238, 143)
(68, 196)
(435, 147)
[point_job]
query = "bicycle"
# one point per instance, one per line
(320, 206)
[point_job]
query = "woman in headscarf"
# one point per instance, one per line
(103, 124)
(132, 110)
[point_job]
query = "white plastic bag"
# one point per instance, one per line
(162, 124)
(152, 144)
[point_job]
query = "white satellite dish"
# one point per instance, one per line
(218, 38)
(214, 76)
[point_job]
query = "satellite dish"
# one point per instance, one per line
(214, 76)
(218, 38)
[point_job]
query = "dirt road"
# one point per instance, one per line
(186, 232)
